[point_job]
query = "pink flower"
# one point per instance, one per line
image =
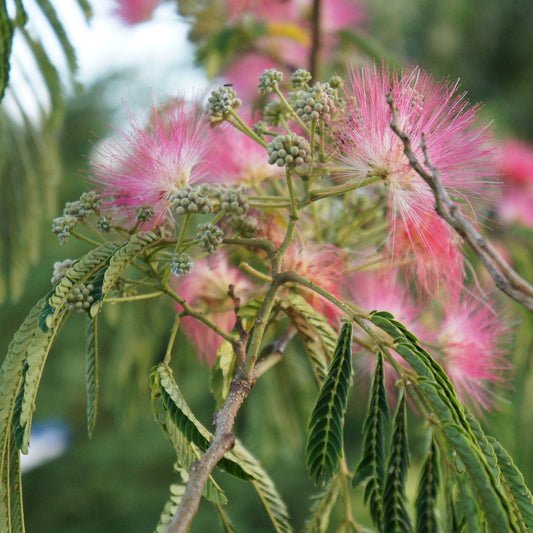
(470, 351)
(517, 164)
(459, 147)
(321, 264)
(516, 207)
(135, 11)
(146, 164)
(238, 158)
(205, 289)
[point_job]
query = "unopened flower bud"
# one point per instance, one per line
(221, 102)
(301, 78)
(289, 150)
(103, 223)
(210, 237)
(60, 267)
(268, 80)
(89, 203)
(192, 200)
(62, 227)
(144, 213)
(181, 264)
(80, 298)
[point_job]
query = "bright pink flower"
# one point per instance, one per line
(205, 289)
(517, 164)
(458, 147)
(135, 11)
(516, 207)
(470, 351)
(323, 265)
(239, 159)
(146, 164)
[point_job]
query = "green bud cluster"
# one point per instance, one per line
(233, 200)
(90, 202)
(80, 299)
(244, 226)
(221, 102)
(192, 200)
(290, 150)
(144, 213)
(209, 236)
(316, 102)
(62, 226)
(103, 223)
(301, 78)
(260, 129)
(60, 267)
(276, 113)
(181, 264)
(268, 80)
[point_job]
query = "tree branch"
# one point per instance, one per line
(200, 470)
(506, 279)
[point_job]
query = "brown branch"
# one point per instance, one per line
(506, 279)
(200, 470)
(239, 345)
(315, 38)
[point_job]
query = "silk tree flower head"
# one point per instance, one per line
(470, 341)
(321, 264)
(135, 11)
(459, 146)
(145, 164)
(205, 288)
(238, 158)
(516, 204)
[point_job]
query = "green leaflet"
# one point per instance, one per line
(50, 13)
(188, 424)
(91, 374)
(428, 489)
(372, 464)
(515, 486)
(186, 452)
(6, 41)
(321, 510)
(326, 427)
(462, 433)
(395, 515)
(176, 494)
(318, 337)
(265, 488)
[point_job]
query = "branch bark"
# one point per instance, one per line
(506, 279)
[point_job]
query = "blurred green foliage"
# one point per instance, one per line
(119, 480)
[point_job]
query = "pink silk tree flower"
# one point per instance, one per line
(323, 265)
(205, 288)
(135, 11)
(145, 165)
(470, 341)
(517, 164)
(458, 145)
(239, 159)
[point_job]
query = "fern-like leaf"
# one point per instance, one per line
(515, 486)
(318, 337)
(372, 465)
(91, 374)
(189, 425)
(428, 488)
(265, 488)
(326, 427)
(171, 506)
(321, 510)
(395, 515)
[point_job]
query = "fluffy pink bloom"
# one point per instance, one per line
(205, 288)
(459, 147)
(321, 264)
(517, 164)
(146, 164)
(135, 11)
(470, 351)
(516, 204)
(239, 159)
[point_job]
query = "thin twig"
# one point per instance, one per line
(315, 42)
(506, 279)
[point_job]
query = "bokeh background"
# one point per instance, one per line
(118, 481)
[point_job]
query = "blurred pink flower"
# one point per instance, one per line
(458, 146)
(323, 265)
(516, 207)
(135, 11)
(469, 341)
(146, 164)
(237, 158)
(517, 163)
(205, 289)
